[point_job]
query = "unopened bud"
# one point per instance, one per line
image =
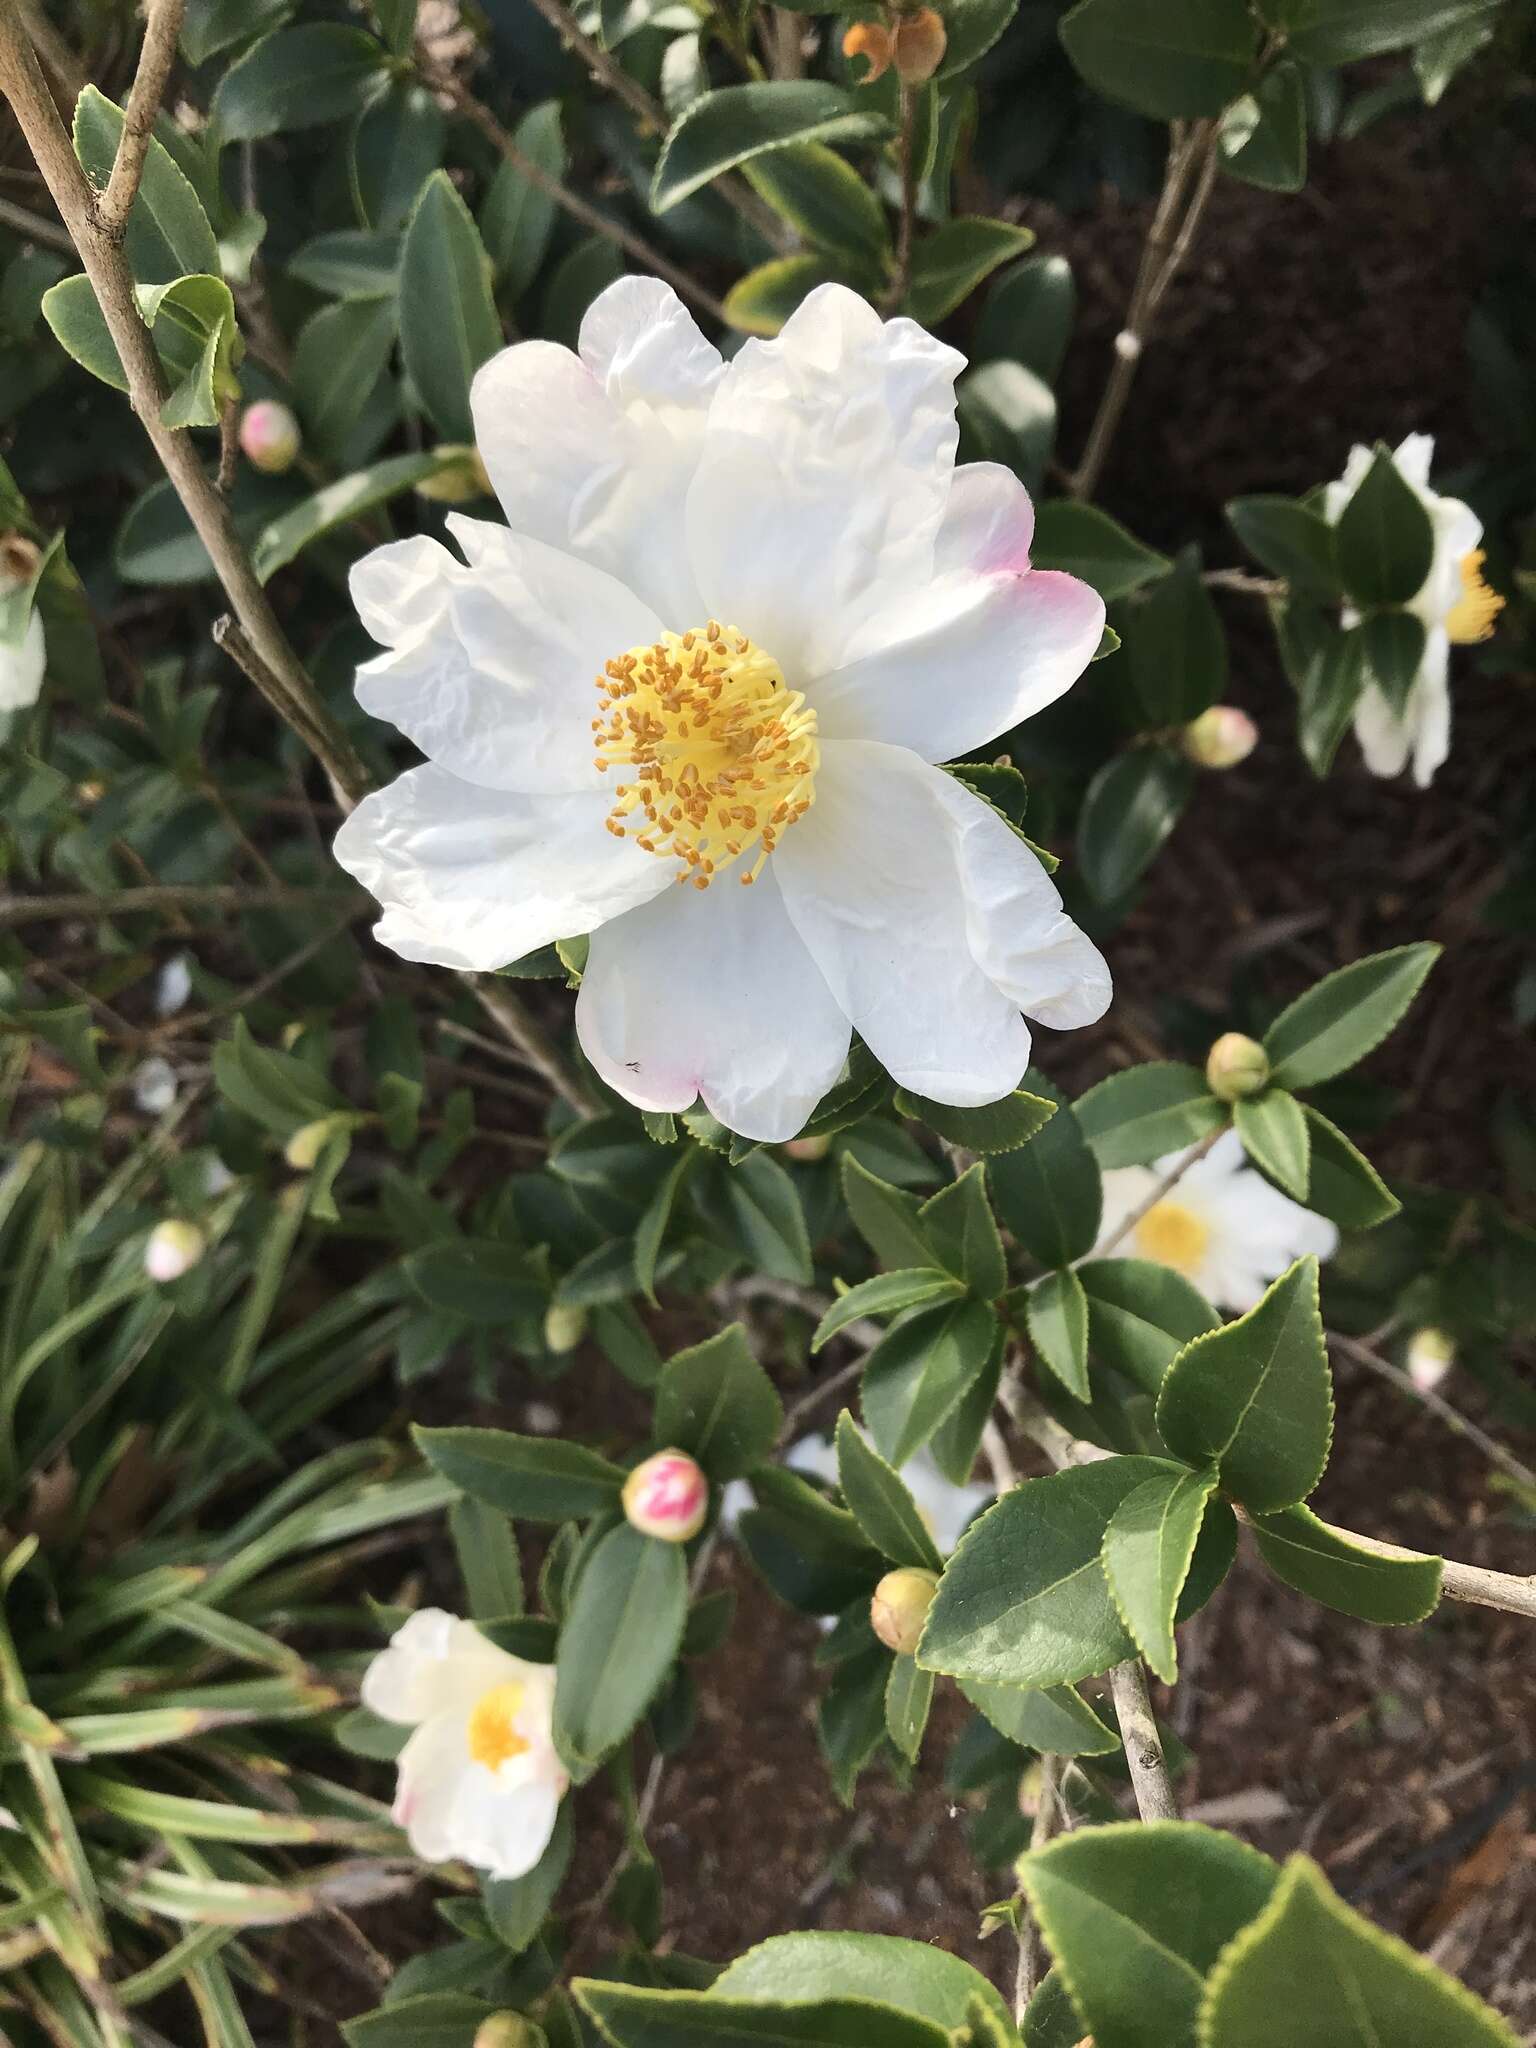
(505, 2030)
(303, 1149)
(463, 478)
(667, 1495)
(564, 1327)
(1030, 1780)
(920, 45)
(1431, 1354)
(1236, 1067)
(269, 436)
(869, 39)
(1220, 737)
(20, 560)
(900, 1607)
(807, 1150)
(173, 1249)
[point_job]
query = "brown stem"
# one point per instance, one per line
(1143, 1744)
(901, 278)
(163, 19)
(1246, 585)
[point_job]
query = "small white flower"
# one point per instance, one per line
(21, 667)
(1223, 1226)
(1431, 1354)
(173, 985)
(947, 1509)
(1454, 602)
(738, 614)
(154, 1086)
(172, 1249)
(479, 1779)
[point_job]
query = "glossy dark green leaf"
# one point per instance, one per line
(959, 1224)
(763, 299)
(1132, 806)
(539, 1478)
(880, 1502)
(824, 199)
(1054, 1720)
(448, 321)
(1086, 542)
(168, 233)
(1141, 1314)
(765, 1206)
(518, 217)
(919, 1976)
(1345, 1016)
(716, 1402)
(618, 1641)
(516, 1906)
(284, 539)
(1277, 1138)
(999, 1126)
(886, 1294)
(1057, 1314)
(1383, 536)
(908, 1698)
(1028, 318)
(1175, 649)
(1148, 1548)
(1048, 1193)
(1333, 1567)
(1264, 136)
(1392, 646)
(738, 122)
(1339, 31)
(337, 362)
(1134, 1117)
(1174, 61)
(958, 255)
(298, 77)
(917, 1375)
(1007, 415)
(1290, 540)
(1344, 1186)
(885, 1217)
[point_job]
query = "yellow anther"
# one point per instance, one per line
(1472, 616)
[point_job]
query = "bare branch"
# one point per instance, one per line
(161, 28)
(1427, 1397)
(1143, 1744)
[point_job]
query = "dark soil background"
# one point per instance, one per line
(1402, 1760)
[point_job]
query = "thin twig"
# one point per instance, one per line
(163, 19)
(1143, 1744)
(1244, 584)
(1169, 1181)
(35, 226)
(901, 277)
(532, 1043)
(1028, 1972)
(17, 910)
(1427, 1397)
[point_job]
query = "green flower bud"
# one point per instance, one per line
(900, 1607)
(1220, 737)
(303, 1149)
(564, 1327)
(505, 2030)
(1236, 1067)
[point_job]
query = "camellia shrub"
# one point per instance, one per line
(546, 645)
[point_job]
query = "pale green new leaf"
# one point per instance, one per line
(1277, 1138)
(1148, 1548)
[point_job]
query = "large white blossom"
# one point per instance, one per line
(22, 667)
(1454, 603)
(1223, 1226)
(737, 615)
(479, 1778)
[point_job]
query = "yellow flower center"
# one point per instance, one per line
(493, 1737)
(724, 753)
(1173, 1236)
(1471, 617)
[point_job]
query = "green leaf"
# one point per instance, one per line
(886, 1294)
(540, 1478)
(284, 539)
(1384, 538)
(516, 1906)
(958, 1223)
(1028, 318)
(1392, 645)
(1339, 31)
(1130, 1119)
(79, 327)
(716, 1402)
(1136, 1915)
(337, 362)
(517, 218)
(1264, 134)
(397, 21)
(1174, 61)
(168, 234)
(618, 1641)
(1345, 1016)
(950, 262)
(1024, 1600)
(435, 2019)
(477, 1280)
(691, 2019)
(1309, 1973)
(1255, 1397)
(972, 27)
(1089, 544)
(1148, 1548)
(761, 300)
(275, 1089)
(1141, 1315)
(1290, 540)
(1048, 1193)
(740, 122)
(1333, 1567)
(1344, 1185)
(651, 1230)
(765, 1205)
(489, 1564)
(448, 320)
(1055, 1719)
(1327, 670)
(1132, 805)
(880, 1502)
(302, 77)
(1052, 2020)
(1175, 650)
(1057, 1313)
(883, 1968)
(825, 200)
(917, 1375)
(1007, 415)
(1000, 1126)
(1277, 1138)
(908, 1698)
(885, 1217)
(212, 25)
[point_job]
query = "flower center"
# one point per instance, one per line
(493, 1736)
(1471, 617)
(724, 753)
(1173, 1236)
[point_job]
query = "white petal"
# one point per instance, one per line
(433, 1662)
(814, 1456)
(1413, 457)
(476, 878)
(1383, 736)
(595, 453)
(874, 880)
(1125, 1188)
(1337, 495)
(824, 477)
(494, 668)
(432, 1767)
(22, 668)
(711, 993)
(988, 523)
(968, 658)
(499, 1828)
(1432, 708)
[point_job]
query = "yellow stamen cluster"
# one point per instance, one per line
(493, 1737)
(1472, 616)
(725, 754)
(1173, 1236)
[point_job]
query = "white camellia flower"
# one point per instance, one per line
(738, 614)
(1223, 1226)
(1454, 602)
(479, 1779)
(22, 667)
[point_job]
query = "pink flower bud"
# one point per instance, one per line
(173, 1249)
(1220, 737)
(1236, 1067)
(667, 1495)
(900, 1607)
(1431, 1354)
(270, 437)
(807, 1150)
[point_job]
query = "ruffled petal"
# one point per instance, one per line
(493, 668)
(432, 1767)
(824, 477)
(875, 881)
(502, 1829)
(433, 1662)
(711, 993)
(594, 453)
(988, 523)
(475, 878)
